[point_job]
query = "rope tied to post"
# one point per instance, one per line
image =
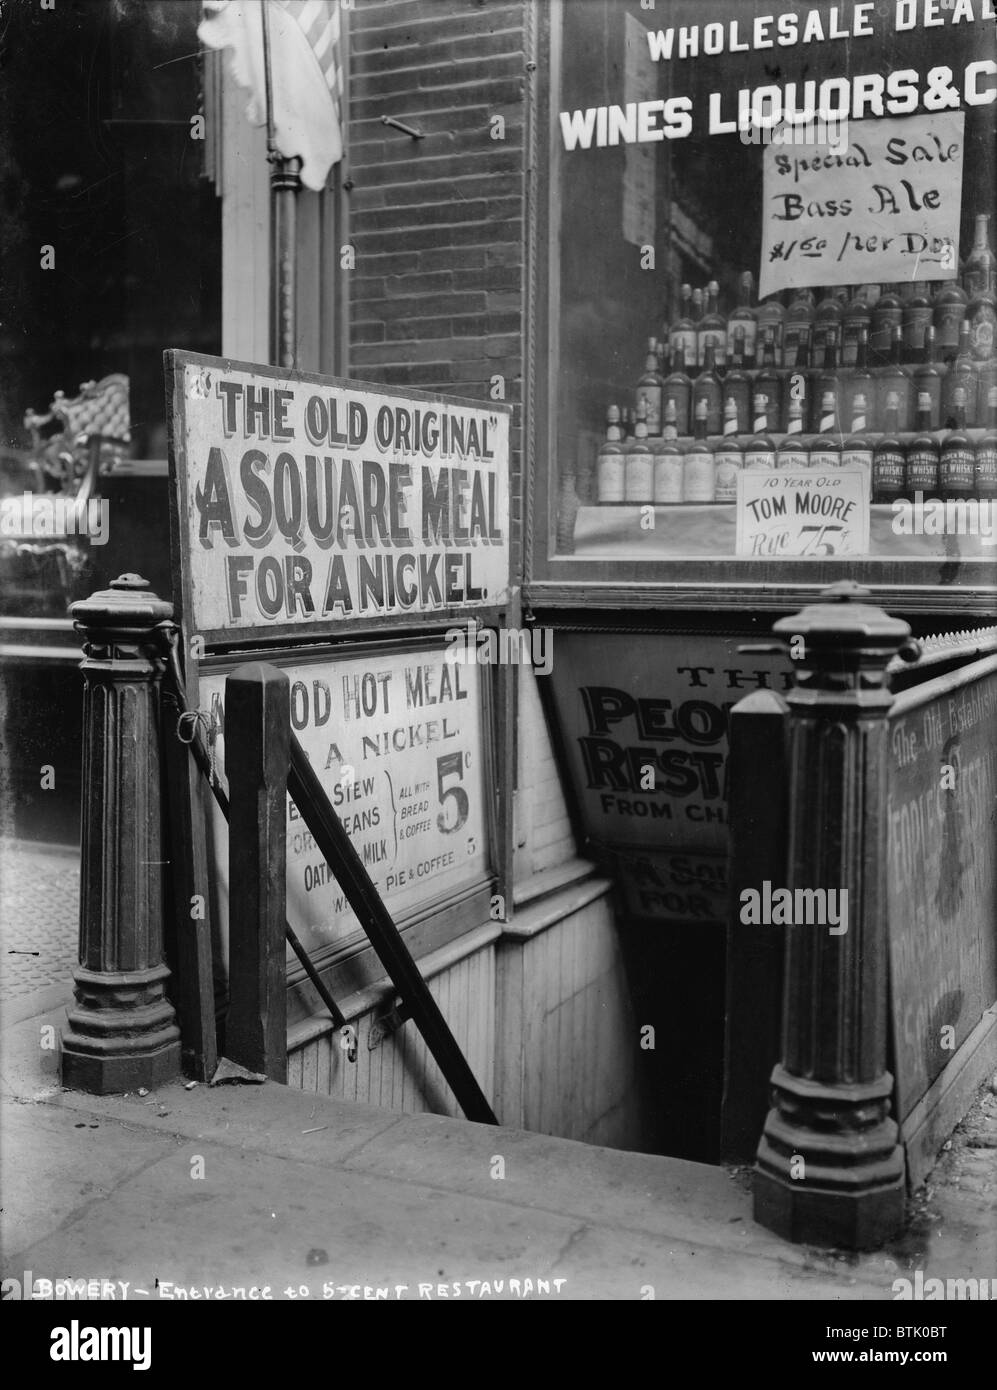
(189, 720)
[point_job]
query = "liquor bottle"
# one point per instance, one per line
(708, 390)
(923, 455)
(957, 472)
(667, 471)
(948, 312)
(669, 429)
(829, 315)
(917, 318)
(893, 379)
(856, 452)
(698, 311)
(982, 315)
(857, 320)
(771, 314)
(712, 329)
(797, 383)
(980, 272)
(986, 377)
(743, 321)
(962, 376)
(888, 465)
(609, 465)
(677, 388)
(759, 454)
(683, 330)
(826, 380)
(859, 381)
(799, 326)
(737, 382)
(887, 312)
(793, 451)
(729, 455)
(928, 376)
(986, 453)
(768, 382)
(699, 467)
(649, 390)
(825, 448)
(638, 466)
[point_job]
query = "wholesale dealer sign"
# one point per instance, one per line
(302, 502)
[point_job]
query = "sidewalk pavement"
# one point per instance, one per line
(236, 1186)
(270, 1186)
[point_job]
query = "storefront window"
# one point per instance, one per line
(771, 291)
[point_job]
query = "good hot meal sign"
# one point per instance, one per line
(303, 501)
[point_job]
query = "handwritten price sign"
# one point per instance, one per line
(883, 209)
(795, 514)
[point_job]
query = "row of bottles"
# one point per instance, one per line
(802, 316)
(673, 399)
(667, 471)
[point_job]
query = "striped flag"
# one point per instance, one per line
(306, 68)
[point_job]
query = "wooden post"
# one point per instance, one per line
(257, 735)
(122, 1032)
(757, 776)
(829, 1169)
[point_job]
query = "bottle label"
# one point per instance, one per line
(638, 478)
(759, 459)
(917, 320)
(948, 321)
(699, 476)
(651, 397)
(958, 470)
(747, 331)
(986, 469)
(922, 471)
(888, 471)
(716, 338)
(825, 458)
(668, 479)
(792, 456)
(859, 458)
(609, 476)
(684, 338)
(981, 335)
(728, 467)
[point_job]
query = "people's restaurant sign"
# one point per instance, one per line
(302, 502)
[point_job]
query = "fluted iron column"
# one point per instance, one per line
(830, 1170)
(122, 1032)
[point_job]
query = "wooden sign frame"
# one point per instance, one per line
(182, 474)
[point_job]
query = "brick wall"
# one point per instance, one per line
(437, 223)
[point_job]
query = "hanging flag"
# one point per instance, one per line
(306, 73)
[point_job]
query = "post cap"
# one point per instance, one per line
(129, 601)
(842, 619)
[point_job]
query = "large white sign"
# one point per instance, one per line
(303, 502)
(397, 740)
(883, 206)
(805, 512)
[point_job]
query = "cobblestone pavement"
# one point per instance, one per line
(39, 917)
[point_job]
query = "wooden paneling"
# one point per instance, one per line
(569, 1040)
(399, 1074)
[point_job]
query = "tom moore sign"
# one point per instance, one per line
(300, 501)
